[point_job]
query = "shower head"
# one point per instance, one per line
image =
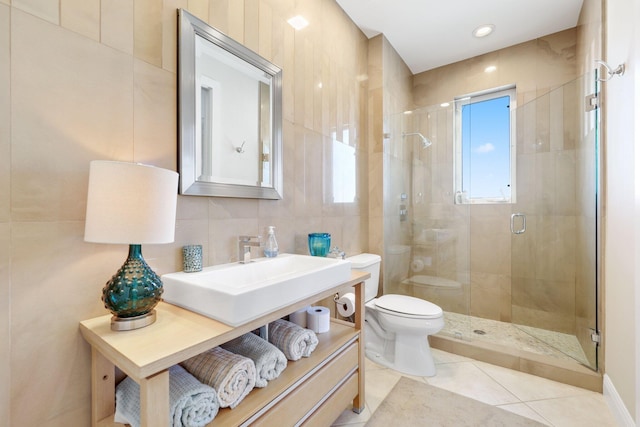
(425, 142)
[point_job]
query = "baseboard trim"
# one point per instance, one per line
(615, 403)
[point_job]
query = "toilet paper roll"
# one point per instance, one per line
(318, 319)
(346, 304)
(300, 317)
(417, 265)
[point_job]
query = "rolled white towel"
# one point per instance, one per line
(293, 340)
(191, 403)
(232, 376)
(269, 360)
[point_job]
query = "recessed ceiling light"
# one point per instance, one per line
(444, 104)
(490, 69)
(483, 30)
(298, 22)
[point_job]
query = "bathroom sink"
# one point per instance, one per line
(238, 293)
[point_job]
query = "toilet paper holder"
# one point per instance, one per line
(336, 297)
(345, 305)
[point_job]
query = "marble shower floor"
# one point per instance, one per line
(517, 337)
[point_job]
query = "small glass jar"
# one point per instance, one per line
(192, 258)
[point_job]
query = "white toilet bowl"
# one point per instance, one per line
(397, 326)
(396, 330)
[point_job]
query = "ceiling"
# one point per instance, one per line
(431, 33)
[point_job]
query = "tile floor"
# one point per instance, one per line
(550, 402)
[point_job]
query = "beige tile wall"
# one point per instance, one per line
(5, 322)
(439, 228)
(397, 98)
(535, 67)
(5, 112)
(544, 267)
(5, 215)
(375, 130)
(83, 80)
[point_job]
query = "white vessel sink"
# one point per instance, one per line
(238, 293)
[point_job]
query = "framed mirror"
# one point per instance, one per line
(229, 116)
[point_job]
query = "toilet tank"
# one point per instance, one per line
(371, 264)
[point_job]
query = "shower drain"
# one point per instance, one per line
(479, 332)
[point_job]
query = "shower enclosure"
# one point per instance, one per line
(522, 273)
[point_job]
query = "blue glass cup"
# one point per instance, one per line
(319, 244)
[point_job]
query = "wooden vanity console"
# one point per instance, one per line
(311, 391)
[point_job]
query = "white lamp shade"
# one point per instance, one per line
(130, 203)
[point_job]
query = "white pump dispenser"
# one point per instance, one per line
(271, 245)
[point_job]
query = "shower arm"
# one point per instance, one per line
(425, 141)
(422, 137)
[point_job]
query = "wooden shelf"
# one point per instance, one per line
(330, 342)
(146, 354)
(339, 335)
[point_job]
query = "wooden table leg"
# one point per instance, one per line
(154, 400)
(358, 402)
(103, 387)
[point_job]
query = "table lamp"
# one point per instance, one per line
(134, 204)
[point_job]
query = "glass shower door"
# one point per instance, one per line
(554, 220)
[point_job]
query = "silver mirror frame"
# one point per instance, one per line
(188, 27)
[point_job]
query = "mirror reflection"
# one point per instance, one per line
(343, 161)
(230, 116)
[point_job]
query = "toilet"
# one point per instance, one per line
(397, 326)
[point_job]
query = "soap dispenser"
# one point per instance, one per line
(271, 245)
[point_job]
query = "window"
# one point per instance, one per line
(485, 147)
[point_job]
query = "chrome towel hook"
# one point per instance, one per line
(619, 70)
(241, 148)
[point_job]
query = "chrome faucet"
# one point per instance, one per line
(336, 253)
(244, 247)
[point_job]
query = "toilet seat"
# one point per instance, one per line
(406, 306)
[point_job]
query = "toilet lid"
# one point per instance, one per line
(404, 304)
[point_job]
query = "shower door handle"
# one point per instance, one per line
(524, 223)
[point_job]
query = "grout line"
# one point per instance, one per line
(549, 423)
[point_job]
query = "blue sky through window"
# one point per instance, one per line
(486, 149)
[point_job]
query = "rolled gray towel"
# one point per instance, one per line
(232, 376)
(191, 403)
(293, 340)
(269, 360)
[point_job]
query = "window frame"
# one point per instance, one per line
(459, 102)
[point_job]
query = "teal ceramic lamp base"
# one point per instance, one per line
(132, 293)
